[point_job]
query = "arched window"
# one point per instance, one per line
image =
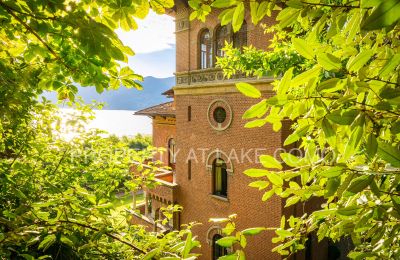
(240, 37)
(220, 178)
(221, 36)
(218, 250)
(171, 153)
(205, 49)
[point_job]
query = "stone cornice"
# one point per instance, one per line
(212, 81)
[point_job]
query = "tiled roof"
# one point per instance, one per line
(164, 109)
(169, 93)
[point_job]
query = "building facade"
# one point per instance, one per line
(208, 147)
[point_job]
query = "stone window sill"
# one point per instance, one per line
(219, 197)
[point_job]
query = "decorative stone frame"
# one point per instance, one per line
(199, 33)
(229, 114)
(218, 154)
(211, 232)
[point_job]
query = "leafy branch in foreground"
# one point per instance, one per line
(339, 65)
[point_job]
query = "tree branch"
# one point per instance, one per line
(11, 12)
(107, 234)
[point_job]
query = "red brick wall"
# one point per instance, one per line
(187, 49)
(194, 195)
(163, 130)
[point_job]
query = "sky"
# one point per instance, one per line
(154, 46)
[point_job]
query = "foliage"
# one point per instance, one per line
(57, 197)
(342, 95)
(138, 142)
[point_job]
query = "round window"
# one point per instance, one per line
(219, 114)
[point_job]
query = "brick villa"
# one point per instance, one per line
(208, 147)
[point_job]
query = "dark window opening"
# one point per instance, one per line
(220, 178)
(189, 113)
(205, 50)
(219, 115)
(171, 153)
(240, 37)
(308, 253)
(189, 170)
(218, 250)
(222, 36)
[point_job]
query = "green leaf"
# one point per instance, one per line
(275, 179)
(303, 48)
(227, 241)
(229, 257)
(389, 153)
(348, 211)
(253, 231)
(270, 162)
(290, 159)
(331, 172)
(304, 77)
(284, 84)
(151, 254)
(238, 17)
(188, 245)
(331, 186)
(268, 194)
(256, 173)
(329, 132)
(283, 233)
(255, 123)
(359, 184)
(65, 240)
(343, 117)
(47, 242)
(354, 142)
(296, 135)
(385, 15)
(259, 184)
(328, 85)
(390, 65)
(223, 3)
(329, 61)
(357, 62)
(371, 146)
(291, 201)
(248, 90)
(257, 110)
(226, 16)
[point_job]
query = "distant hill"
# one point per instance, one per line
(127, 99)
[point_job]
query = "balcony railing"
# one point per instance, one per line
(164, 192)
(212, 75)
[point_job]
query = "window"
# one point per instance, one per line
(219, 115)
(240, 37)
(189, 113)
(189, 170)
(205, 49)
(221, 36)
(220, 178)
(218, 250)
(171, 153)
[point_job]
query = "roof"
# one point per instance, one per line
(169, 93)
(164, 109)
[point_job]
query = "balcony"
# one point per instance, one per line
(212, 75)
(165, 191)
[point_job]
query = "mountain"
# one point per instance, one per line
(126, 99)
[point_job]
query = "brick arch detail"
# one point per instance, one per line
(213, 230)
(218, 154)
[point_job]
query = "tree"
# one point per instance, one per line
(57, 196)
(339, 66)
